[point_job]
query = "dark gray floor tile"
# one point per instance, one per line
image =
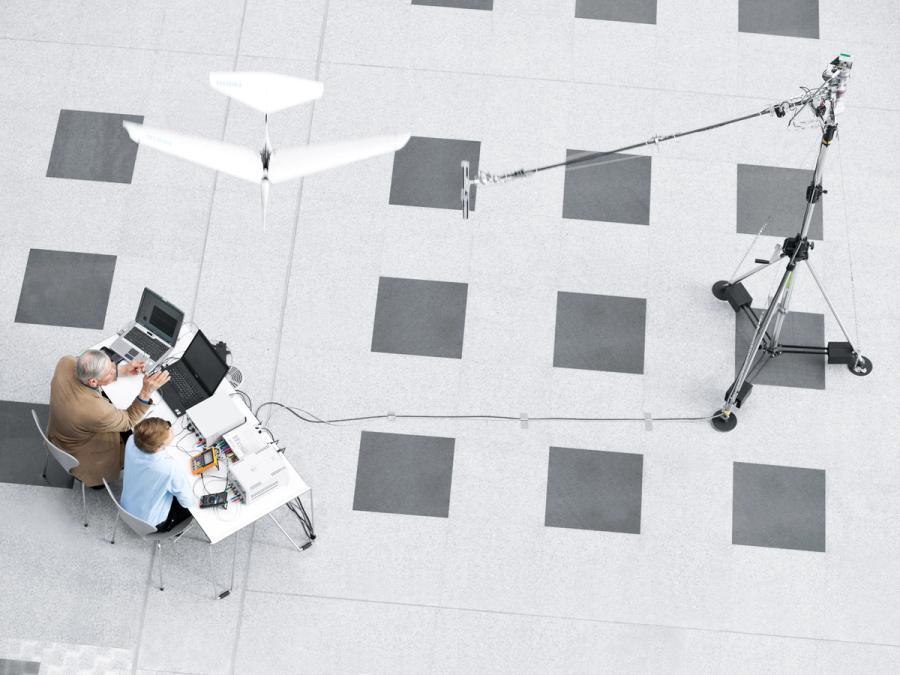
(462, 4)
(419, 317)
(777, 196)
(594, 490)
(617, 191)
(427, 172)
(779, 507)
(400, 473)
(93, 146)
(22, 452)
(635, 11)
(793, 18)
(13, 667)
(599, 332)
(788, 370)
(62, 288)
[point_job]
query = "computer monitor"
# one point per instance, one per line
(161, 318)
(204, 362)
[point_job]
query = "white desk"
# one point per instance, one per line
(217, 524)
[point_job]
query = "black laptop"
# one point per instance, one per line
(194, 377)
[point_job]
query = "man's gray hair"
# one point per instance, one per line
(92, 364)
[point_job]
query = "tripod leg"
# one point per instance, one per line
(782, 314)
(723, 419)
(861, 365)
(828, 302)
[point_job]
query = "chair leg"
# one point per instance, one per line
(84, 504)
(159, 555)
(46, 459)
(115, 525)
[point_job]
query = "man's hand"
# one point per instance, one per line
(132, 367)
(152, 382)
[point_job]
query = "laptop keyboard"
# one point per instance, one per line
(187, 388)
(153, 348)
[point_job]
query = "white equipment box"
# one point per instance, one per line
(247, 439)
(257, 474)
(215, 416)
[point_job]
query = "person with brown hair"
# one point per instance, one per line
(156, 488)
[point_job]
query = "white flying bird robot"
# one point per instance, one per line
(268, 93)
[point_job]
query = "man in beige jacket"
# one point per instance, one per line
(84, 423)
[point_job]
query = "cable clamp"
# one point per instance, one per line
(648, 421)
(392, 416)
(523, 420)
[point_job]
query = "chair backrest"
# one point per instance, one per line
(65, 460)
(141, 527)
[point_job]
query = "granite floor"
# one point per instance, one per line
(519, 498)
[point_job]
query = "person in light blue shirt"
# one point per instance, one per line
(157, 487)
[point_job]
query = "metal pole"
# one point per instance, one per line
(754, 347)
(778, 305)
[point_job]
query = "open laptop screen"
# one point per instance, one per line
(204, 362)
(161, 317)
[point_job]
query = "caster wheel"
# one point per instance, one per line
(722, 423)
(863, 369)
(719, 289)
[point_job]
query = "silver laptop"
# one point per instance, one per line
(152, 334)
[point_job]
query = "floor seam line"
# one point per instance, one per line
(243, 598)
(146, 603)
(575, 618)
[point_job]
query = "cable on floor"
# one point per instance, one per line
(313, 419)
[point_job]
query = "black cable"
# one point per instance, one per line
(655, 140)
(246, 397)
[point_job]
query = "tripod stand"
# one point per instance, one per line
(765, 344)
(825, 103)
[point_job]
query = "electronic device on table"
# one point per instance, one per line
(216, 416)
(246, 440)
(208, 459)
(194, 377)
(216, 499)
(258, 474)
(153, 333)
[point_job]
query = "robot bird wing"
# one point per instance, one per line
(288, 163)
(266, 92)
(234, 160)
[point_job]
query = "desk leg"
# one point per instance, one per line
(308, 518)
(212, 571)
(233, 562)
(285, 533)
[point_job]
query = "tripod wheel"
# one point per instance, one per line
(865, 367)
(722, 423)
(719, 289)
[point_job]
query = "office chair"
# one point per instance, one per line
(145, 530)
(64, 459)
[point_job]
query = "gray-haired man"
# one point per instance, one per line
(84, 423)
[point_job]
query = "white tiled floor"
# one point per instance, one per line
(489, 589)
